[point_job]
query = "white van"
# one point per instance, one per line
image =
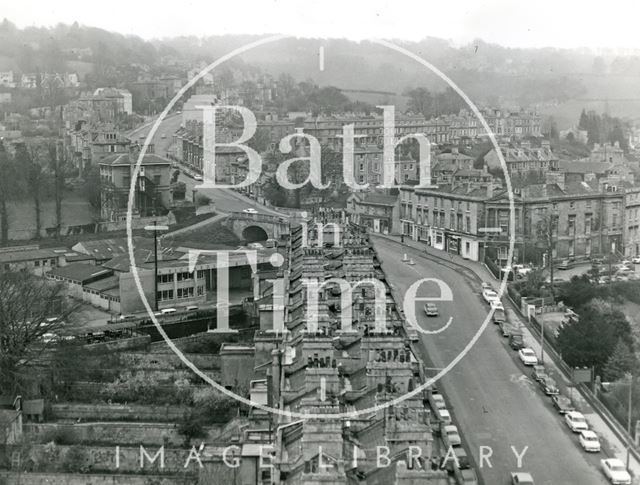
(168, 311)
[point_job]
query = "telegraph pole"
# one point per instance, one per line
(155, 229)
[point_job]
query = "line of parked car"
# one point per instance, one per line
(451, 438)
(613, 468)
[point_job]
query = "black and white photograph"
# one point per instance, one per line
(288, 242)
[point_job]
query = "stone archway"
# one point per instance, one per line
(254, 234)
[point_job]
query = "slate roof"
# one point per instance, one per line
(79, 272)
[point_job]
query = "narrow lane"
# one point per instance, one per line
(492, 396)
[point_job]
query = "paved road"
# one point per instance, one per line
(167, 127)
(495, 403)
(227, 200)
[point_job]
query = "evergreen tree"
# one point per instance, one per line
(621, 361)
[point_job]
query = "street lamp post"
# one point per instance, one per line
(155, 229)
(542, 342)
(630, 377)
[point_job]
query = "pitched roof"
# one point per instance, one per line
(80, 272)
(105, 249)
(583, 167)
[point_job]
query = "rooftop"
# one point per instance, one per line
(80, 272)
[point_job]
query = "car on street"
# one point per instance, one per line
(521, 478)
(539, 372)
(163, 136)
(451, 435)
(469, 476)
(250, 210)
(486, 286)
(431, 310)
(522, 269)
(499, 316)
(255, 245)
(615, 471)
(489, 295)
(635, 260)
(549, 386)
(437, 401)
(576, 421)
(528, 356)
(562, 404)
(444, 415)
(564, 264)
(589, 441)
(496, 305)
(198, 177)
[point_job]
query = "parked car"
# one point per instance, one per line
(250, 210)
(564, 264)
(562, 404)
(431, 310)
(549, 386)
(198, 177)
(589, 441)
(462, 460)
(528, 356)
(496, 305)
(451, 435)
(521, 478)
(615, 471)
(489, 295)
(539, 372)
(522, 269)
(437, 401)
(635, 260)
(469, 476)
(486, 286)
(255, 245)
(499, 316)
(576, 421)
(444, 415)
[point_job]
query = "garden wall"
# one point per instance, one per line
(92, 459)
(117, 412)
(13, 478)
(111, 433)
(168, 360)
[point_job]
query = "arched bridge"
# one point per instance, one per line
(257, 227)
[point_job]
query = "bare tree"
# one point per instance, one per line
(57, 167)
(31, 309)
(28, 161)
(7, 191)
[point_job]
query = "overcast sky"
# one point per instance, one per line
(516, 23)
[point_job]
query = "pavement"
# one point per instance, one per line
(491, 394)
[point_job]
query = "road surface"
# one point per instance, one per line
(167, 128)
(493, 398)
(225, 200)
